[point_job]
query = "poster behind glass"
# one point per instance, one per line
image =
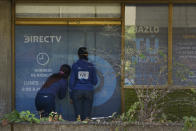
(146, 45)
(40, 50)
(184, 45)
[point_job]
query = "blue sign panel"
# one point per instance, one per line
(145, 53)
(41, 50)
(184, 56)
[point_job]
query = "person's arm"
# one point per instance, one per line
(72, 82)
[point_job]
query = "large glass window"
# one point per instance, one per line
(146, 40)
(184, 46)
(68, 10)
(40, 50)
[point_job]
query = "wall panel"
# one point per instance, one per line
(5, 56)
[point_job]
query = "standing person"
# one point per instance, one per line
(55, 86)
(82, 79)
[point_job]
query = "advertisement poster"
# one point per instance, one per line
(184, 56)
(41, 50)
(145, 53)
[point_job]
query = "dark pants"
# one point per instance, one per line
(45, 103)
(83, 100)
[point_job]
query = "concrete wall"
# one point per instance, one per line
(5, 128)
(5, 56)
(92, 127)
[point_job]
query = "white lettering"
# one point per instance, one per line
(26, 39)
(156, 29)
(143, 29)
(31, 83)
(52, 38)
(42, 39)
(58, 39)
(36, 39)
(46, 39)
(140, 30)
(83, 75)
(146, 29)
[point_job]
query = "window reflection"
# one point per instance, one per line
(146, 35)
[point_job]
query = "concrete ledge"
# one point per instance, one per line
(106, 126)
(5, 128)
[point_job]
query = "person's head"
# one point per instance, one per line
(65, 70)
(63, 73)
(83, 53)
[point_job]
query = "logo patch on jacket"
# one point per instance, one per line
(83, 75)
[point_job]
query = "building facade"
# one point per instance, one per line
(134, 44)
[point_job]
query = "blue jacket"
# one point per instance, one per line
(56, 89)
(83, 76)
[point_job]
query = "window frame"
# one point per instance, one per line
(96, 22)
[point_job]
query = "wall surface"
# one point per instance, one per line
(5, 56)
(5, 128)
(92, 127)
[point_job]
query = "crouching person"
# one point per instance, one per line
(55, 86)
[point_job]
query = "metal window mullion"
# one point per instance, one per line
(170, 22)
(29, 21)
(122, 56)
(13, 80)
(13, 54)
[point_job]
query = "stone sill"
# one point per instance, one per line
(93, 126)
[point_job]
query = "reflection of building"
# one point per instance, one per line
(139, 33)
